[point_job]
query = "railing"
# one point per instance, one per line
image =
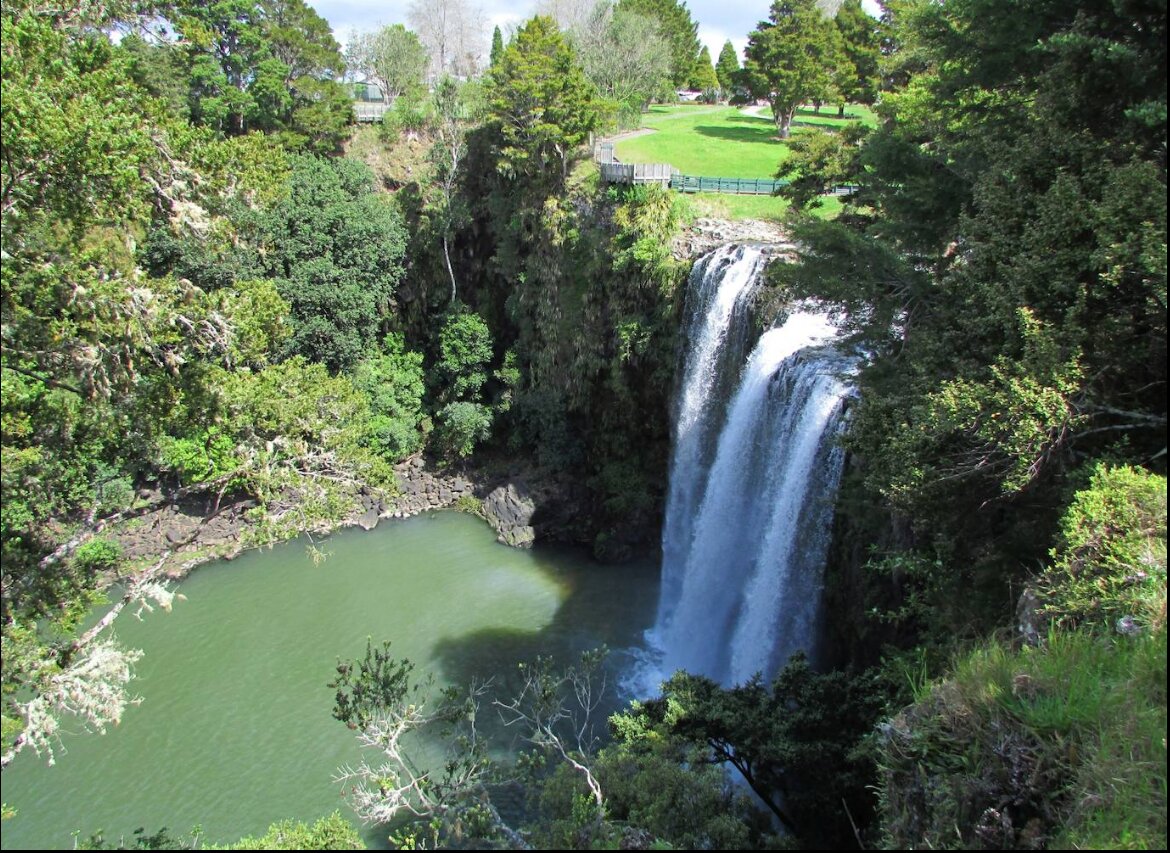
(637, 173)
(667, 176)
(736, 186)
(370, 110)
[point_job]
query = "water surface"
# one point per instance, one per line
(234, 731)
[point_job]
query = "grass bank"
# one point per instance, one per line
(725, 142)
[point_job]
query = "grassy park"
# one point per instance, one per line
(726, 142)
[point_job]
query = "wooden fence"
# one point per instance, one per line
(370, 110)
(636, 173)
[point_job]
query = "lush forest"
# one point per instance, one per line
(216, 286)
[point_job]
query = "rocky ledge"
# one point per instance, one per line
(705, 235)
(195, 530)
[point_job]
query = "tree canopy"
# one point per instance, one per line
(393, 57)
(542, 104)
(678, 27)
(792, 58)
(626, 56)
(727, 66)
(335, 250)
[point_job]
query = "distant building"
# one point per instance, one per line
(367, 93)
(689, 95)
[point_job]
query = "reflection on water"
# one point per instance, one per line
(234, 731)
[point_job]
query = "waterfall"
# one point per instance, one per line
(720, 288)
(753, 478)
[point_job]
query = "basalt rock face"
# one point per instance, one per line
(423, 489)
(509, 509)
(706, 235)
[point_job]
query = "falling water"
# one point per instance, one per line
(751, 492)
(721, 285)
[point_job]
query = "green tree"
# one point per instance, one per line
(626, 56)
(859, 35)
(328, 833)
(786, 741)
(392, 379)
(497, 47)
(703, 78)
(727, 67)
(679, 29)
(1028, 301)
(393, 57)
(268, 66)
(465, 350)
(462, 425)
(792, 58)
(542, 105)
(335, 249)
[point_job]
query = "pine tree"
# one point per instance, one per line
(859, 34)
(703, 78)
(497, 47)
(727, 67)
(543, 104)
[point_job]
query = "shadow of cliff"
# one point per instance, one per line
(615, 610)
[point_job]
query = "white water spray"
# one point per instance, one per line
(751, 493)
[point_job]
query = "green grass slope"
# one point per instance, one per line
(725, 142)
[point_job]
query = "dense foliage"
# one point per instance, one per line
(792, 58)
(1005, 258)
(678, 27)
(200, 302)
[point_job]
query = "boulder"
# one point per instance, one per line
(509, 509)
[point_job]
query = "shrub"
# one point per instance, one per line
(1110, 563)
(461, 427)
(97, 555)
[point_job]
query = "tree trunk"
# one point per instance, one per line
(450, 271)
(841, 111)
(784, 124)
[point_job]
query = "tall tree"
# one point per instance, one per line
(497, 47)
(1010, 219)
(704, 78)
(791, 59)
(270, 66)
(543, 105)
(727, 67)
(335, 249)
(626, 56)
(859, 35)
(452, 32)
(393, 57)
(680, 31)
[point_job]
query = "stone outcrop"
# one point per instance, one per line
(706, 235)
(196, 530)
(423, 490)
(509, 509)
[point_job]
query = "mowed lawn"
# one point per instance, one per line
(720, 142)
(723, 142)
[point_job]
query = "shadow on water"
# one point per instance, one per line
(614, 610)
(606, 604)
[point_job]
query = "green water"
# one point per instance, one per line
(234, 731)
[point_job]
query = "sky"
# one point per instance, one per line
(718, 20)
